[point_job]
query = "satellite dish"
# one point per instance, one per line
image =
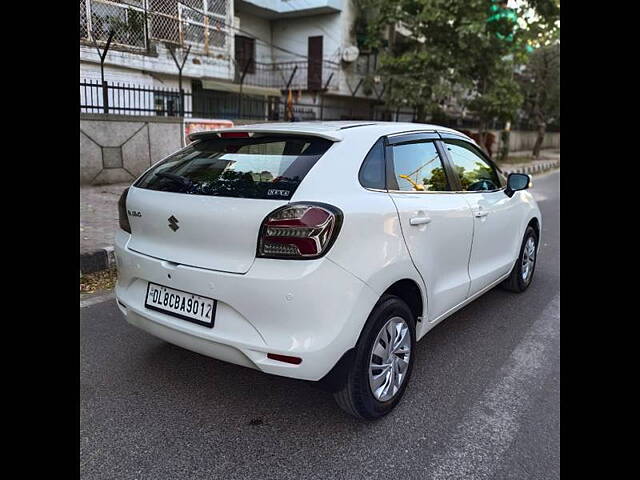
(350, 54)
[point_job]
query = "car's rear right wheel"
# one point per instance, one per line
(383, 361)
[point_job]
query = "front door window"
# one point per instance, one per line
(474, 172)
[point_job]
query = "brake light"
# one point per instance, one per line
(123, 218)
(299, 231)
(234, 135)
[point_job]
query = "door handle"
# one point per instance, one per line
(481, 213)
(419, 220)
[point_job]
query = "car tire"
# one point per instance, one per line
(357, 396)
(521, 276)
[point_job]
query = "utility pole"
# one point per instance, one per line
(326, 86)
(288, 111)
(180, 66)
(103, 55)
(244, 73)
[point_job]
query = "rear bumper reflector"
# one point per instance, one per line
(284, 358)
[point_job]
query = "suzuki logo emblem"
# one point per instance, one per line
(173, 223)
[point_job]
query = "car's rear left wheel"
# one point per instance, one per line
(383, 361)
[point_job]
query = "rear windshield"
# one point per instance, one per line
(267, 166)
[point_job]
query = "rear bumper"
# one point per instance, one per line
(314, 310)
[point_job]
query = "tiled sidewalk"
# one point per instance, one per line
(548, 159)
(98, 224)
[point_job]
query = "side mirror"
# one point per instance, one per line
(517, 181)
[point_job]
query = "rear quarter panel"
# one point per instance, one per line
(370, 244)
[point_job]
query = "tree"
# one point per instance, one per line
(431, 48)
(417, 42)
(495, 54)
(541, 84)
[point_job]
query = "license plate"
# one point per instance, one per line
(188, 306)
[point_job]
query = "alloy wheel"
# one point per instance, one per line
(390, 359)
(528, 259)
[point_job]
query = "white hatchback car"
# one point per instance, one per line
(321, 251)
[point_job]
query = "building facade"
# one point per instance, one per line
(239, 59)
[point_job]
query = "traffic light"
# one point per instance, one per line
(503, 19)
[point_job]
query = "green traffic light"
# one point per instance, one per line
(500, 13)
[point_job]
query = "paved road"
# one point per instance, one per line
(483, 401)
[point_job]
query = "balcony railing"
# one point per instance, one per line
(294, 75)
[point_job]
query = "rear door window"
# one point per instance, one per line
(262, 166)
(418, 168)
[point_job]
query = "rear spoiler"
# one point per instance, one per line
(334, 136)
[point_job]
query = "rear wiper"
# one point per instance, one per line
(176, 178)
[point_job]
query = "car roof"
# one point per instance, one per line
(332, 130)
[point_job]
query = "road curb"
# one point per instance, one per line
(534, 169)
(95, 299)
(101, 259)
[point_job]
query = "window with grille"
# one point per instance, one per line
(202, 22)
(164, 23)
(125, 19)
(84, 29)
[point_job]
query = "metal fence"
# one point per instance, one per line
(127, 99)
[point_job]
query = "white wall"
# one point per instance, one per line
(292, 34)
(259, 28)
(161, 64)
(336, 29)
(91, 71)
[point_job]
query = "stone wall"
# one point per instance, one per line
(118, 148)
(524, 140)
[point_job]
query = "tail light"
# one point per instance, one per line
(299, 231)
(122, 212)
